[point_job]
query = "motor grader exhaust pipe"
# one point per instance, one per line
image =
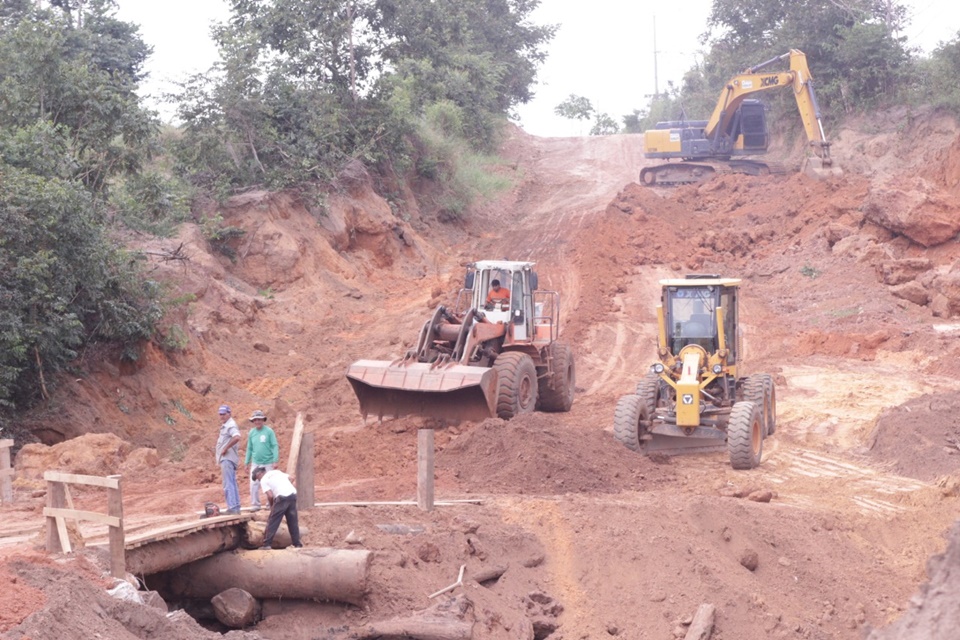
(449, 391)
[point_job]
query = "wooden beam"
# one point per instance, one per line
(397, 503)
(425, 451)
(55, 500)
(76, 514)
(295, 446)
(118, 561)
(6, 472)
(111, 482)
(305, 478)
(63, 535)
(185, 528)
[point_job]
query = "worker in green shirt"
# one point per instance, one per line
(263, 450)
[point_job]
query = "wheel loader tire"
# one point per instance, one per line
(745, 435)
(630, 420)
(771, 406)
(556, 391)
(517, 390)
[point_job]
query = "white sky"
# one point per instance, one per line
(604, 49)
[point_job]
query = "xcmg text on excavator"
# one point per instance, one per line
(494, 354)
(695, 397)
(737, 128)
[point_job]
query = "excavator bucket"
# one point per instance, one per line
(450, 391)
(817, 168)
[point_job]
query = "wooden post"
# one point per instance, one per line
(425, 469)
(118, 561)
(6, 472)
(295, 446)
(57, 539)
(306, 495)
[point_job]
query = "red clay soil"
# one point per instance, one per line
(850, 299)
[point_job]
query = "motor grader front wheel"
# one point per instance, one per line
(630, 421)
(745, 431)
(517, 390)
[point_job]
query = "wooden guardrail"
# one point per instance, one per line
(60, 507)
(6, 472)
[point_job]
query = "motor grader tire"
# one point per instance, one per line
(745, 435)
(517, 390)
(557, 389)
(649, 390)
(771, 407)
(755, 391)
(630, 421)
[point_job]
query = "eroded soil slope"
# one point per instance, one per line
(851, 296)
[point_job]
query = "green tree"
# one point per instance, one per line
(575, 108)
(604, 125)
(70, 123)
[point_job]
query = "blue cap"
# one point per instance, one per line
(224, 409)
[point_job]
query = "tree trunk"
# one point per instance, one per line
(171, 554)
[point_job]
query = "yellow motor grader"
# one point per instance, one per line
(495, 354)
(695, 397)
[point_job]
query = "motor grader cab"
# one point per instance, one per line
(695, 397)
(493, 354)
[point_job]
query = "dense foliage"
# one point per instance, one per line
(70, 124)
(306, 85)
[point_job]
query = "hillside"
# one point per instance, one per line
(851, 296)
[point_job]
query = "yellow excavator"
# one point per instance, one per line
(737, 128)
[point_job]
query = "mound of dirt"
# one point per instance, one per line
(916, 439)
(537, 454)
(934, 612)
(96, 454)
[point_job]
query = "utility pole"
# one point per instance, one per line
(656, 85)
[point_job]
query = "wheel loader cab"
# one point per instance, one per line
(520, 281)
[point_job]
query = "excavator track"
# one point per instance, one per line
(677, 173)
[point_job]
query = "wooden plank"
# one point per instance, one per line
(118, 560)
(397, 503)
(55, 500)
(76, 514)
(63, 535)
(702, 626)
(112, 482)
(6, 472)
(425, 450)
(305, 477)
(185, 528)
(295, 446)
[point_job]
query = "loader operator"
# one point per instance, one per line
(497, 295)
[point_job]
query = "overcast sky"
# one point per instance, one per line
(604, 49)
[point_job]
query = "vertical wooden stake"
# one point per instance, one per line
(306, 496)
(118, 559)
(57, 539)
(6, 472)
(294, 454)
(425, 469)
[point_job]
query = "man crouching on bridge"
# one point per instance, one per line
(282, 496)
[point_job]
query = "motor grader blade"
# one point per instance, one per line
(449, 391)
(671, 440)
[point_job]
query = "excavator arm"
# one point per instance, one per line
(753, 80)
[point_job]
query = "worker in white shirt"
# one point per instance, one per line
(282, 496)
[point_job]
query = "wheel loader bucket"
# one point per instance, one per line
(818, 169)
(451, 391)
